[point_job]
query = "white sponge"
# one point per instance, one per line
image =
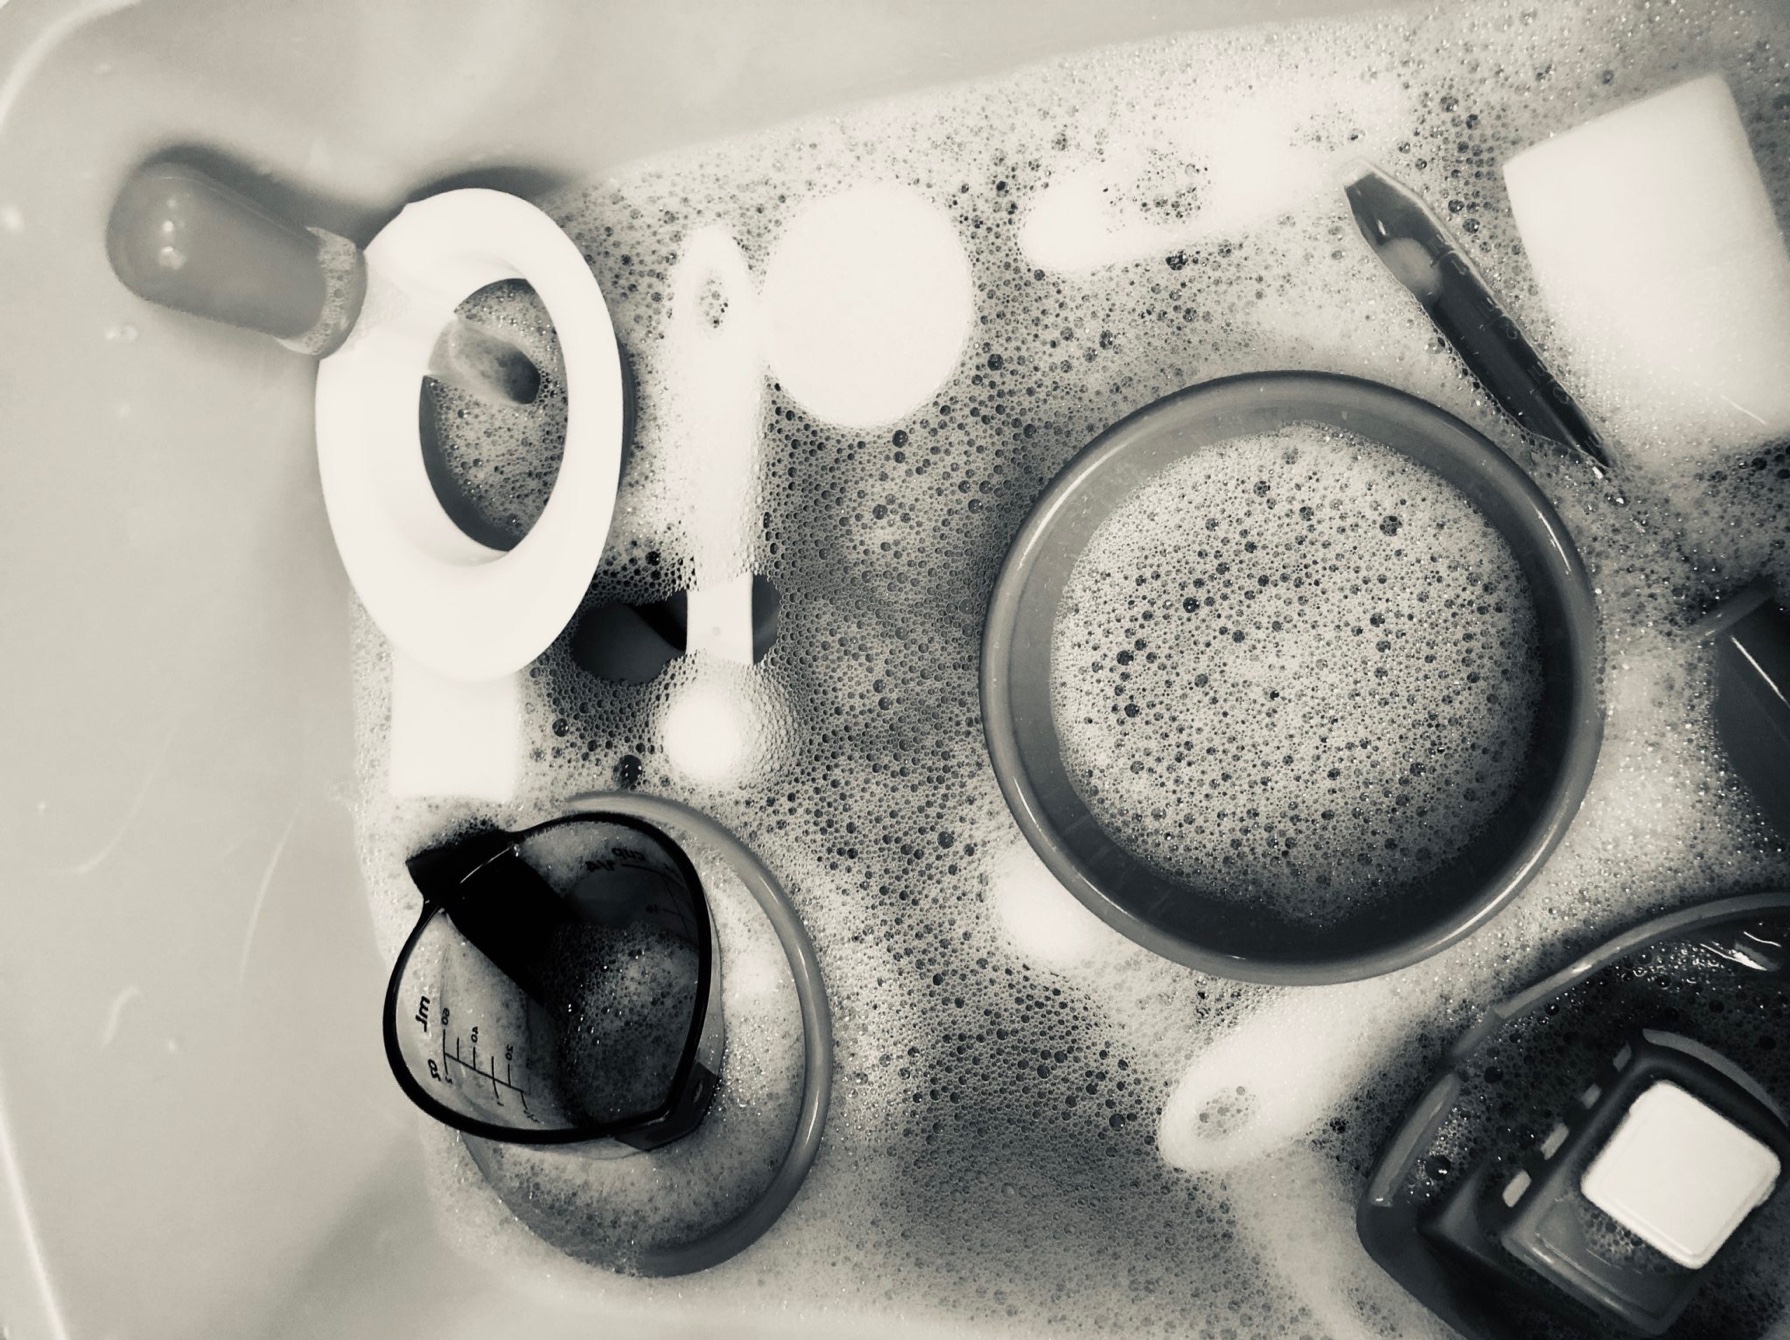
(1665, 271)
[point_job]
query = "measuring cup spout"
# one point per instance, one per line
(439, 871)
(514, 930)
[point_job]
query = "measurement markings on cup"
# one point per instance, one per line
(487, 1074)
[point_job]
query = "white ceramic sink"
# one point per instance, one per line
(198, 1132)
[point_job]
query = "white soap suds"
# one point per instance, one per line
(1297, 668)
(991, 1164)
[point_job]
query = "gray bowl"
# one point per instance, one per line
(1227, 936)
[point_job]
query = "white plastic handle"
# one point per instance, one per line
(462, 610)
(716, 361)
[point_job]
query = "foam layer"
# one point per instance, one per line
(1298, 668)
(991, 1162)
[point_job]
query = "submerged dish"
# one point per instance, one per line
(1256, 940)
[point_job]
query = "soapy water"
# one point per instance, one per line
(1297, 668)
(992, 1160)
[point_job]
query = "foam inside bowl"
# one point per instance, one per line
(1261, 938)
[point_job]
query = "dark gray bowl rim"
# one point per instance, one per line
(1535, 533)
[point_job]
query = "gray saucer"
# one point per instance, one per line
(1228, 936)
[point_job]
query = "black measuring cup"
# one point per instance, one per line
(559, 986)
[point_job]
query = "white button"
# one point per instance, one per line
(1680, 1175)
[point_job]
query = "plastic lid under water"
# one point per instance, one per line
(1680, 1175)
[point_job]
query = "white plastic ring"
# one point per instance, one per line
(466, 611)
